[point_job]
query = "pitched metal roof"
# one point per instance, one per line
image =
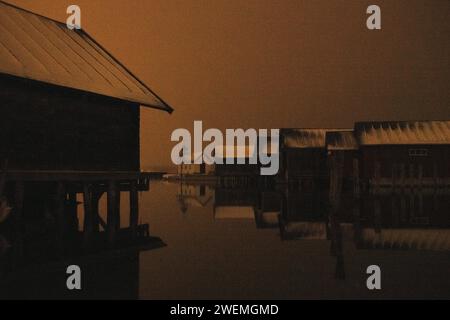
(341, 140)
(38, 48)
(305, 138)
(403, 132)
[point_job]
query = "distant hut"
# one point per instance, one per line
(196, 169)
(69, 122)
(405, 170)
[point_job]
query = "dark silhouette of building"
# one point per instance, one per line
(69, 124)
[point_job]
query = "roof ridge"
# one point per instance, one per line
(31, 12)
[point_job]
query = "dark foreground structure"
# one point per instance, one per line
(69, 125)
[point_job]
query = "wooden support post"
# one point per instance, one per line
(113, 211)
(96, 195)
(72, 204)
(134, 209)
(87, 202)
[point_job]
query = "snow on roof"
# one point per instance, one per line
(403, 132)
(38, 48)
(305, 138)
(341, 140)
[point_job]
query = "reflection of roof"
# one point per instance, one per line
(315, 230)
(341, 140)
(306, 230)
(403, 132)
(420, 239)
(234, 212)
(195, 201)
(305, 138)
(270, 217)
(38, 48)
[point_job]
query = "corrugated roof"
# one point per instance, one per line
(305, 138)
(38, 48)
(403, 132)
(341, 140)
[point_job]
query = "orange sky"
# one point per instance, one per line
(272, 64)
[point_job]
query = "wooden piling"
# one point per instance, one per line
(134, 209)
(87, 202)
(60, 198)
(113, 215)
(72, 219)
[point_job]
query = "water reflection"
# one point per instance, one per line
(35, 254)
(245, 239)
(306, 209)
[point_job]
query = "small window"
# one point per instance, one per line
(418, 152)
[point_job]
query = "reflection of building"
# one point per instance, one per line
(194, 195)
(236, 201)
(196, 169)
(103, 276)
(268, 209)
(416, 239)
(234, 212)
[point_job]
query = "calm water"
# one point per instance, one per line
(217, 250)
(212, 256)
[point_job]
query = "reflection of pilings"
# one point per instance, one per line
(96, 196)
(336, 176)
(18, 220)
(376, 203)
(113, 211)
(356, 204)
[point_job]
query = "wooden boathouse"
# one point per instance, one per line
(305, 171)
(405, 171)
(69, 125)
(343, 164)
